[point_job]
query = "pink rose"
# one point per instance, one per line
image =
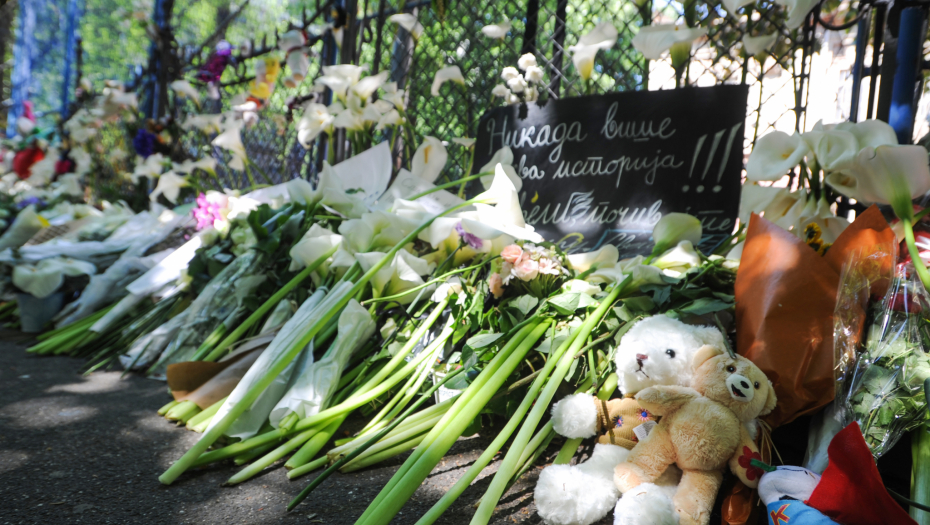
(496, 284)
(512, 253)
(526, 269)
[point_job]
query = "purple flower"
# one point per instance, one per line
(144, 143)
(213, 69)
(206, 212)
(30, 201)
(471, 239)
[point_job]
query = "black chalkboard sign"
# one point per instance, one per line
(604, 169)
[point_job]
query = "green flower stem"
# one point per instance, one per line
(313, 446)
(366, 461)
(405, 393)
(272, 301)
(920, 473)
(276, 454)
(204, 417)
(307, 468)
(183, 411)
(249, 455)
(396, 438)
(192, 455)
(470, 403)
(920, 215)
(442, 278)
(403, 423)
(536, 447)
(919, 265)
(510, 463)
(216, 335)
(456, 182)
(171, 404)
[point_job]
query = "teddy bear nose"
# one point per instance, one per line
(641, 357)
(744, 384)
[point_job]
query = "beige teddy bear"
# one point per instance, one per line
(702, 429)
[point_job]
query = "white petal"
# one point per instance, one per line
(429, 159)
(774, 155)
(755, 45)
(654, 40)
(497, 30)
(445, 74)
(408, 22)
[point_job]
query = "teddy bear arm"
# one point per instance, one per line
(663, 400)
(740, 462)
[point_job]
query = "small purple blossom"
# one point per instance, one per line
(471, 239)
(144, 143)
(30, 201)
(206, 212)
(213, 69)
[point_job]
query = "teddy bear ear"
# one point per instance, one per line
(770, 401)
(703, 354)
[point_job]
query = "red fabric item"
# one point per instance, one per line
(24, 159)
(851, 491)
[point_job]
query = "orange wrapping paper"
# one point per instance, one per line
(785, 298)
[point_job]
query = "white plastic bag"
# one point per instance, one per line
(313, 388)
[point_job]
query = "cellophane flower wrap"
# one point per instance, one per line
(886, 384)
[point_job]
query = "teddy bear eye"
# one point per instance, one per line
(756, 384)
(731, 369)
(671, 353)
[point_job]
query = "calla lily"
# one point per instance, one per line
(375, 230)
(350, 72)
(774, 155)
(497, 30)
(678, 260)
(408, 22)
(885, 175)
(231, 140)
(603, 36)
(581, 286)
(46, 277)
(501, 189)
(403, 273)
(504, 158)
(635, 268)
(607, 255)
(152, 167)
(819, 213)
(429, 159)
(797, 11)
(185, 90)
(205, 123)
(732, 6)
(395, 96)
(444, 75)
(832, 148)
(503, 218)
(316, 119)
(339, 85)
(368, 85)
(169, 185)
(349, 119)
(654, 40)
(391, 118)
(464, 142)
(316, 242)
(187, 167)
(755, 198)
(756, 45)
(673, 228)
(447, 289)
(870, 133)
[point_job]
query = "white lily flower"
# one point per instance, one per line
(291, 40)
(603, 36)
(316, 119)
(653, 41)
(504, 158)
(429, 159)
(774, 155)
(444, 75)
(581, 286)
(832, 148)
(395, 96)
(375, 230)
(339, 85)
(797, 11)
(679, 259)
(819, 213)
(885, 175)
(640, 273)
(497, 30)
(465, 142)
(673, 228)
(349, 119)
(755, 198)
(151, 167)
(205, 123)
(184, 89)
(391, 118)
(316, 242)
(404, 272)
(368, 85)
(503, 218)
(187, 167)
(46, 277)
(607, 255)
(756, 45)
(350, 72)
(231, 140)
(870, 133)
(408, 22)
(169, 185)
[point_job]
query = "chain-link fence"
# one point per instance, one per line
(452, 35)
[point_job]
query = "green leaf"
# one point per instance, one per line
(482, 340)
(469, 357)
(624, 313)
(641, 303)
(705, 305)
(567, 303)
(660, 294)
(524, 303)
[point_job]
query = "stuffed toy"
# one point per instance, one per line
(850, 492)
(702, 429)
(656, 351)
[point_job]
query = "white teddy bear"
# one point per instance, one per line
(656, 351)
